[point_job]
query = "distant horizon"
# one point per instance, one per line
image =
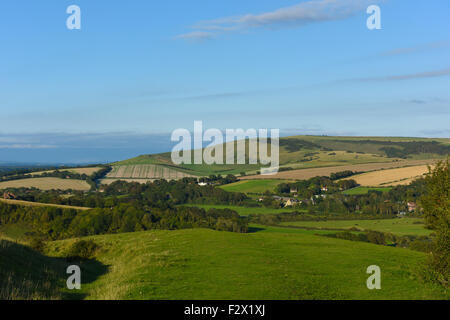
(102, 148)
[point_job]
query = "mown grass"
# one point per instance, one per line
(244, 211)
(399, 226)
(269, 264)
(364, 190)
(253, 186)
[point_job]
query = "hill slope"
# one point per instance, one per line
(297, 152)
(276, 263)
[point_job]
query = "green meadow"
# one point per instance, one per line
(244, 211)
(399, 226)
(364, 190)
(252, 186)
(272, 263)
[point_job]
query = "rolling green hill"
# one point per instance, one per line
(274, 263)
(300, 152)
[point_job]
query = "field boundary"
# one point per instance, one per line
(40, 204)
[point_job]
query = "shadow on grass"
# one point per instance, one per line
(255, 229)
(26, 274)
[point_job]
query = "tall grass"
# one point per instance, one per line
(27, 275)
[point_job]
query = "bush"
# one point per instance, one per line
(376, 237)
(37, 244)
(82, 249)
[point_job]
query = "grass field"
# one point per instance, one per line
(270, 264)
(47, 184)
(364, 190)
(391, 177)
(244, 211)
(400, 226)
(252, 186)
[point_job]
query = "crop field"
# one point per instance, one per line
(306, 152)
(304, 174)
(38, 204)
(400, 226)
(146, 171)
(391, 177)
(47, 184)
(245, 211)
(252, 186)
(111, 180)
(87, 171)
(364, 190)
(267, 264)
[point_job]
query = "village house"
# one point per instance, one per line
(291, 202)
(412, 206)
(9, 196)
(294, 190)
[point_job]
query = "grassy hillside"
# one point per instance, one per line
(245, 211)
(364, 190)
(270, 264)
(252, 186)
(27, 274)
(299, 152)
(403, 226)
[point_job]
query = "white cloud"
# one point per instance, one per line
(304, 13)
(196, 36)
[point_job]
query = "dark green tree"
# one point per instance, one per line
(436, 208)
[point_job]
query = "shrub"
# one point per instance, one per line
(82, 249)
(376, 237)
(37, 244)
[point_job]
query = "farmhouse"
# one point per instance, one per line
(412, 206)
(291, 202)
(8, 195)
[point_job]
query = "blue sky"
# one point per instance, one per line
(149, 67)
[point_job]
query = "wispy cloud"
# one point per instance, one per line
(26, 146)
(196, 36)
(419, 75)
(301, 14)
(418, 48)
